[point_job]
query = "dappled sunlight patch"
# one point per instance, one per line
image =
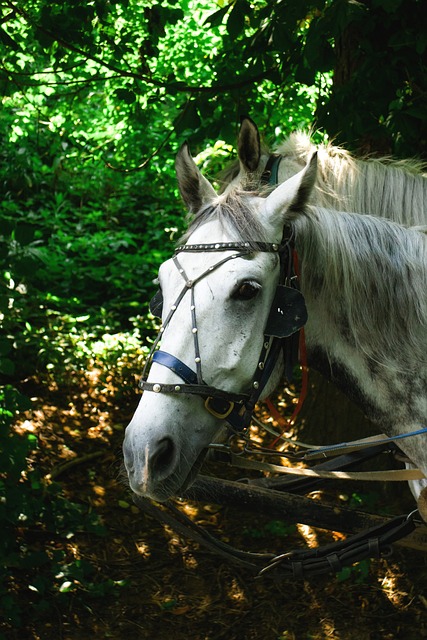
(309, 535)
(237, 593)
(143, 549)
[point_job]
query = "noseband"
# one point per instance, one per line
(287, 315)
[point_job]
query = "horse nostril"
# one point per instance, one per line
(163, 456)
(128, 456)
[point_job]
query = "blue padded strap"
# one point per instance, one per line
(177, 366)
(235, 420)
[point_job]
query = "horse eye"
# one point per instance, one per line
(247, 291)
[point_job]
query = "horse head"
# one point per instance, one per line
(217, 293)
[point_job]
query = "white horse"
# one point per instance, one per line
(364, 280)
(393, 189)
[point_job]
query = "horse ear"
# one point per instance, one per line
(194, 188)
(249, 145)
(293, 194)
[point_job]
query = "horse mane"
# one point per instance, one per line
(385, 187)
(352, 258)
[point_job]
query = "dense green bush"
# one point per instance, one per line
(34, 517)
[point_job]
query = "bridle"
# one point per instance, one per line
(287, 315)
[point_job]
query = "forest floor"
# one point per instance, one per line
(167, 587)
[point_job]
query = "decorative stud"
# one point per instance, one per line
(197, 360)
(157, 388)
(274, 247)
(194, 330)
(256, 385)
(192, 307)
(177, 388)
(261, 366)
(173, 307)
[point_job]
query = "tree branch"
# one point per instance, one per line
(138, 76)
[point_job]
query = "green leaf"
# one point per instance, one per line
(24, 233)
(421, 42)
(4, 250)
(236, 19)
(8, 41)
(125, 95)
(188, 118)
(6, 345)
(25, 266)
(215, 19)
(7, 367)
(390, 6)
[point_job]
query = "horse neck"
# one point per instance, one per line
(362, 277)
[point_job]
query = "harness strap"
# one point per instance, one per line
(392, 475)
(337, 449)
(233, 407)
(175, 365)
(300, 564)
(373, 543)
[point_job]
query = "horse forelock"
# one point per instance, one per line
(372, 277)
(235, 215)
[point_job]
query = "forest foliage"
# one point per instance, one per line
(96, 98)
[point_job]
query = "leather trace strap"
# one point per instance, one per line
(299, 564)
(372, 543)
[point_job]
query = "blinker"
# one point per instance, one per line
(156, 304)
(288, 313)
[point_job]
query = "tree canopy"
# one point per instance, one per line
(119, 80)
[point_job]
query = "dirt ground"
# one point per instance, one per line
(169, 588)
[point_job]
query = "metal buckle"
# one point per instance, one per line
(217, 414)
